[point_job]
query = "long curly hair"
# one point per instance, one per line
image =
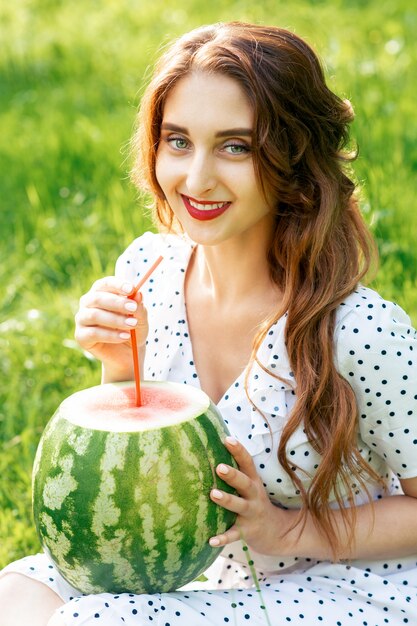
(321, 247)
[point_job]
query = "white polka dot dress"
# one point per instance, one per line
(376, 351)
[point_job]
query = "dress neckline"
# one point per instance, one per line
(240, 379)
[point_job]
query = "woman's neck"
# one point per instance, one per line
(235, 271)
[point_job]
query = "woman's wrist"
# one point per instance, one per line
(284, 532)
(292, 536)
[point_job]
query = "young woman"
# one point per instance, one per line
(260, 303)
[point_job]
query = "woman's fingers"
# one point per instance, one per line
(243, 484)
(105, 319)
(231, 535)
(98, 325)
(90, 336)
(109, 300)
(107, 314)
(251, 504)
(245, 478)
(229, 501)
(113, 285)
(241, 456)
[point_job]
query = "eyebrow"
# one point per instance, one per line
(242, 132)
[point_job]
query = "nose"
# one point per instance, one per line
(201, 175)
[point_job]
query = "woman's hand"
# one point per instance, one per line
(102, 325)
(384, 529)
(257, 521)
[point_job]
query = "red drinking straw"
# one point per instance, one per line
(133, 332)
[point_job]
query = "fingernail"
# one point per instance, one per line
(216, 494)
(223, 469)
(231, 441)
(214, 541)
(124, 335)
(127, 287)
(131, 306)
(131, 321)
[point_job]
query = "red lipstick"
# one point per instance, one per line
(206, 214)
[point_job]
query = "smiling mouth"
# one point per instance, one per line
(208, 210)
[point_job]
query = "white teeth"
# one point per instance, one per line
(206, 207)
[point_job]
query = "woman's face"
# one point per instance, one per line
(204, 162)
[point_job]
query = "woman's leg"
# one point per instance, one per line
(26, 601)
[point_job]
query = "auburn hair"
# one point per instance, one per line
(321, 247)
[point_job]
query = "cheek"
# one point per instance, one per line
(159, 171)
(252, 190)
(166, 173)
(250, 186)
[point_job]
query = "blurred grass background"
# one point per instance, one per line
(71, 75)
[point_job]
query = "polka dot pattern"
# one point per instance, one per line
(377, 354)
(375, 351)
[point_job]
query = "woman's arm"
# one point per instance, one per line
(385, 529)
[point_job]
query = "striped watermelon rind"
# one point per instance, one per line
(129, 511)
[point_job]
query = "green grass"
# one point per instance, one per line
(70, 81)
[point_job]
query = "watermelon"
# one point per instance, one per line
(121, 493)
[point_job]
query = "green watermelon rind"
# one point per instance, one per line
(98, 549)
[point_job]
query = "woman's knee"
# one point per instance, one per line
(11, 586)
(24, 600)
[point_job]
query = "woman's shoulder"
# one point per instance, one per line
(366, 323)
(376, 352)
(366, 307)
